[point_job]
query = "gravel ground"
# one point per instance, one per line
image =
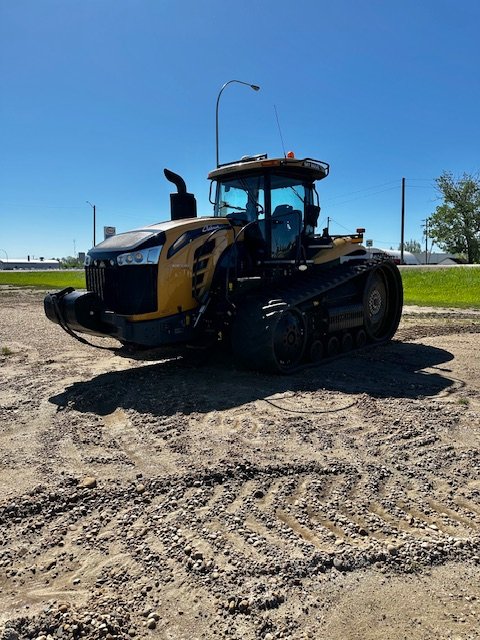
(167, 500)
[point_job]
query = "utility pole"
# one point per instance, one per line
(94, 221)
(402, 232)
(426, 239)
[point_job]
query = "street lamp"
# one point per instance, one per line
(252, 86)
(94, 215)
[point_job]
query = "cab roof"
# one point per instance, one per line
(307, 167)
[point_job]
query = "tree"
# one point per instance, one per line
(455, 225)
(411, 245)
(71, 262)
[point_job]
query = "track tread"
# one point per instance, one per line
(251, 333)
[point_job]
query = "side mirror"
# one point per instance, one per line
(210, 193)
(312, 211)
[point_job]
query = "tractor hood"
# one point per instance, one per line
(151, 237)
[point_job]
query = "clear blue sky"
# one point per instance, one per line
(98, 96)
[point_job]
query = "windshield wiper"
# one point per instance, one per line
(231, 206)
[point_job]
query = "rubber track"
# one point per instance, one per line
(250, 335)
(305, 287)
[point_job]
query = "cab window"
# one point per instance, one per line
(241, 197)
(287, 193)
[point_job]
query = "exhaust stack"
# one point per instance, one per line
(182, 204)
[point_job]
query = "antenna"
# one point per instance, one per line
(280, 131)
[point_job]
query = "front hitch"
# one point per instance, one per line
(77, 311)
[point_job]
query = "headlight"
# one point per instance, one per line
(145, 256)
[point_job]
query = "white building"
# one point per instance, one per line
(28, 264)
(439, 258)
(408, 257)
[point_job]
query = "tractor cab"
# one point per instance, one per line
(275, 202)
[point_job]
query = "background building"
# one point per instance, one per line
(28, 263)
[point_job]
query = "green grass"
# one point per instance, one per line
(44, 279)
(454, 287)
(6, 351)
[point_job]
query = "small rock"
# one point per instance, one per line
(151, 624)
(140, 488)
(243, 606)
(88, 482)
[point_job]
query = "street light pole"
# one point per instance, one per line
(402, 230)
(94, 221)
(255, 87)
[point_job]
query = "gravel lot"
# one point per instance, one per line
(173, 501)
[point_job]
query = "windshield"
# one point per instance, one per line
(244, 197)
(241, 196)
(286, 194)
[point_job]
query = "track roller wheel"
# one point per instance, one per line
(333, 346)
(316, 351)
(360, 339)
(347, 342)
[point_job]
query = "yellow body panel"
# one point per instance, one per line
(341, 247)
(175, 273)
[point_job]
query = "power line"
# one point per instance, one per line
(368, 195)
(422, 179)
(330, 219)
(350, 193)
(40, 206)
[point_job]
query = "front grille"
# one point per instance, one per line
(129, 290)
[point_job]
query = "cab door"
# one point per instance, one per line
(287, 203)
(286, 231)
